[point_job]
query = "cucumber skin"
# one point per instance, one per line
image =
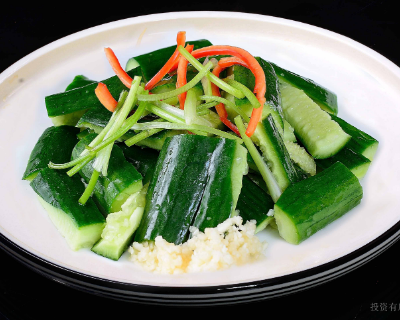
(254, 203)
(144, 160)
(325, 98)
(218, 201)
(79, 81)
(63, 192)
(355, 162)
(360, 142)
(171, 204)
(121, 175)
(84, 98)
(312, 204)
(153, 61)
(55, 145)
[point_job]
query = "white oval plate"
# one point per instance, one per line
(368, 90)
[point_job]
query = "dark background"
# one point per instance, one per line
(27, 295)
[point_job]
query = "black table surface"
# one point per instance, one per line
(370, 292)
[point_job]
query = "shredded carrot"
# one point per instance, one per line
(122, 75)
(228, 62)
(105, 97)
(260, 85)
(181, 77)
(223, 115)
(180, 39)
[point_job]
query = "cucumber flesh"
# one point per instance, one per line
(59, 194)
(55, 145)
(360, 142)
(269, 140)
(310, 205)
(120, 227)
(324, 98)
(288, 132)
(321, 136)
(300, 157)
(355, 162)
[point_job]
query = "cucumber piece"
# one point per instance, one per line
(144, 160)
(81, 226)
(355, 162)
(79, 81)
(254, 204)
(55, 144)
(121, 181)
(300, 157)
(360, 142)
(221, 193)
(152, 62)
(97, 118)
(69, 106)
(120, 227)
(274, 151)
(326, 99)
(321, 136)
(310, 205)
(185, 170)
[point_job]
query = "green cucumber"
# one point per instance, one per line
(68, 107)
(355, 162)
(79, 81)
(326, 99)
(120, 227)
(55, 144)
(221, 193)
(81, 226)
(321, 136)
(310, 205)
(274, 151)
(288, 132)
(360, 142)
(152, 62)
(144, 160)
(254, 204)
(185, 172)
(121, 181)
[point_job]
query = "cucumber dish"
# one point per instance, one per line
(179, 159)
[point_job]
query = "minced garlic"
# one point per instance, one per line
(230, 243)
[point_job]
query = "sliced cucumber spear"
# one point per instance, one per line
(309, 205)
(55, 144)
(81, 226)
(360, 142)
(197, 181)
(321, 136)
(120, 227)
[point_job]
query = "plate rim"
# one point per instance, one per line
(10, 246)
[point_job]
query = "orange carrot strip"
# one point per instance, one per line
(260, 85)
(181, 76)
(105, 97)
(180, 39)
(122, 75)
(228, 62)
